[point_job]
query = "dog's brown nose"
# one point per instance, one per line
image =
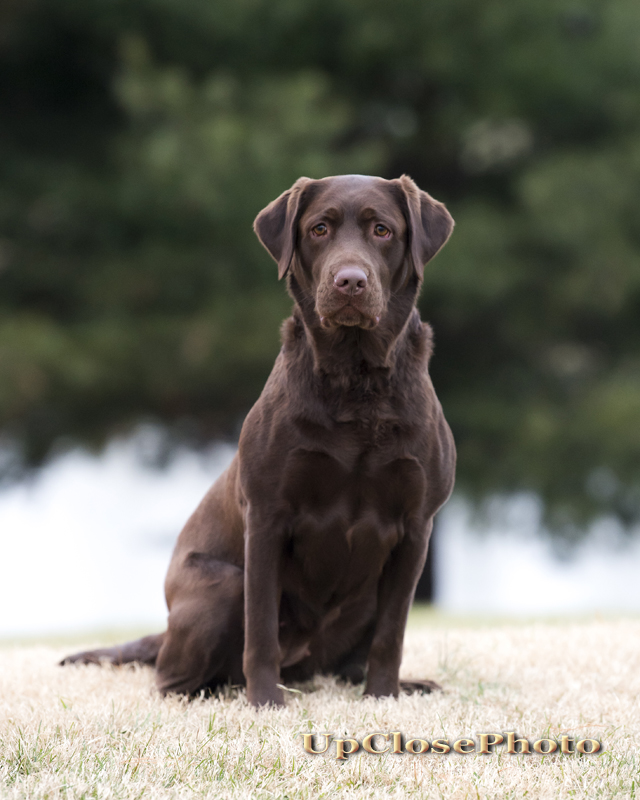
(350, 280)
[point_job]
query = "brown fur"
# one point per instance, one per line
(304, 555)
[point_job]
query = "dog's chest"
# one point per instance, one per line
(346, 520)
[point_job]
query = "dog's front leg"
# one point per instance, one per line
(395, 595)
(261, 660)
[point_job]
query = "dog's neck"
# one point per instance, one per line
(360, 370)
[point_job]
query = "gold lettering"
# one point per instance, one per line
(397, 742)
(553, 746)
(440, 746)
(367, 743)
(564, 744)
(462, 743)
(341, 753)
(308, 743)
(512, 742)
(485, 744)
(581, 746)
(424, 746)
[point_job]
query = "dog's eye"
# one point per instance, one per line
(320, 229)
(381, 230)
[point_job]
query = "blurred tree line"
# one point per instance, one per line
(139, 138)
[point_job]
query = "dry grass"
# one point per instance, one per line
(101, 732)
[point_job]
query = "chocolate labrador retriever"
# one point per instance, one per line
(304, 555)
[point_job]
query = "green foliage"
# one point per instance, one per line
(140, 138)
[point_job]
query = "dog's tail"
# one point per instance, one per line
(141, 651)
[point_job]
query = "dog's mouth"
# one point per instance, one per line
(350, 317)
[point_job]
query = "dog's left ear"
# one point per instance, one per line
(276, 225)
(428, 221)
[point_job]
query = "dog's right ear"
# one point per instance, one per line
(276, 225)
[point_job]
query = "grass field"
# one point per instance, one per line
(101, 732)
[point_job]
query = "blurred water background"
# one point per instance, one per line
(92, 537)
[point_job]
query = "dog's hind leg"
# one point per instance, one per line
(203, 645)
(142, 651)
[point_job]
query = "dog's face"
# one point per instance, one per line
(351, 241)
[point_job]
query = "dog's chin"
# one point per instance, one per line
(349, 317)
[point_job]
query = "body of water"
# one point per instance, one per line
(85, 543)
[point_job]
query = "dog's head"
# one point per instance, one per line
(351, 241)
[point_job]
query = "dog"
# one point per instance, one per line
(304, 556)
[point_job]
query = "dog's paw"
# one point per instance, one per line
(87, 657)
(261, 697)
(421, 686)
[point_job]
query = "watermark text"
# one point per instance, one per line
(396, 743)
